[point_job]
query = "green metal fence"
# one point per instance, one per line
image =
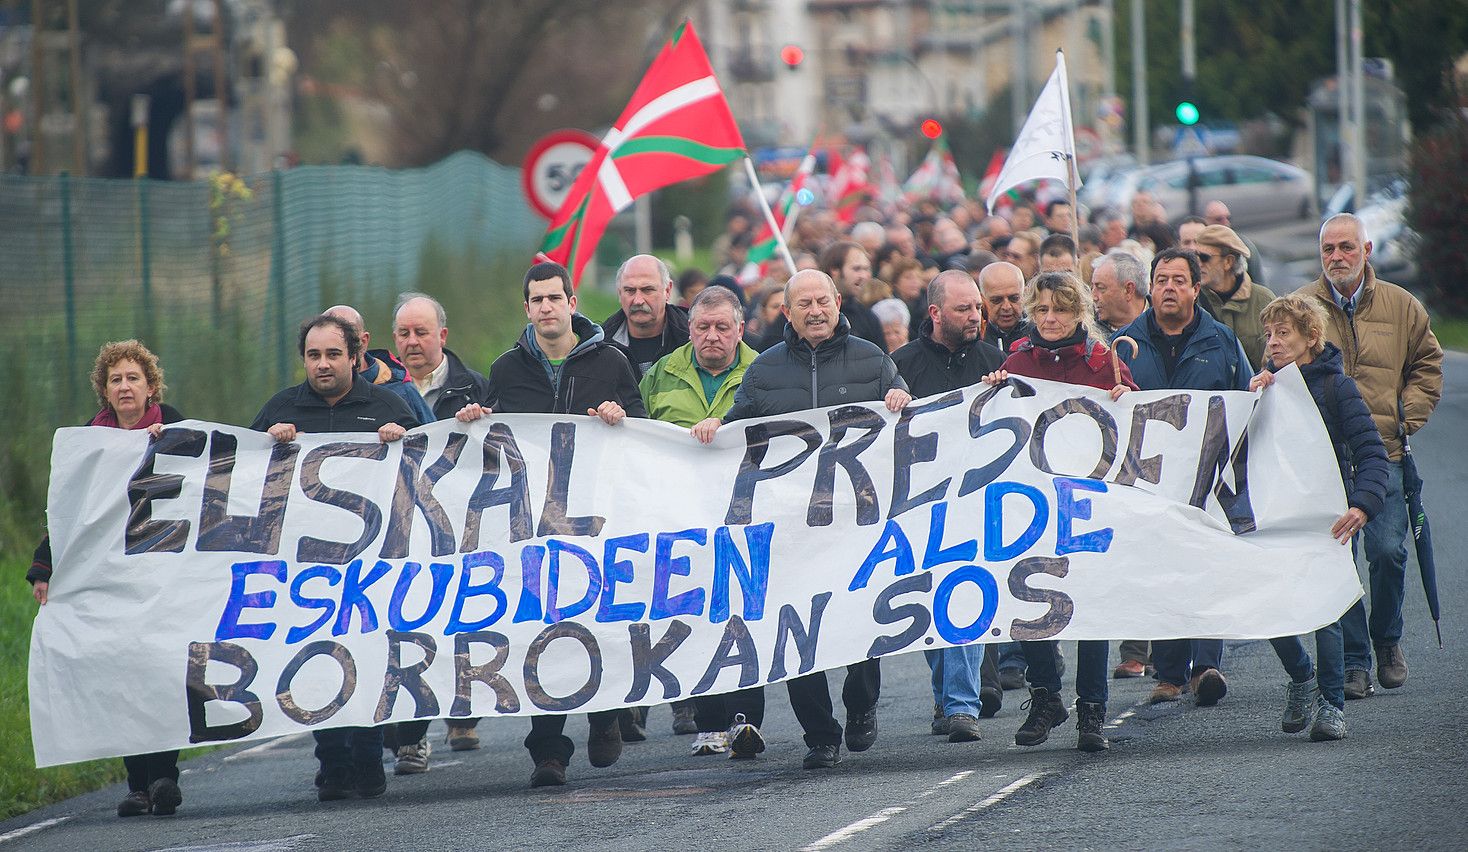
(214, 277)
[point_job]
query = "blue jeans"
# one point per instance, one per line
(1330, 675)
(1385, 539)
(1176, 660)
(1091, 673)
(1011, 656)
(956, 678)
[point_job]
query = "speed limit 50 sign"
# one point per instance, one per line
(553, 165)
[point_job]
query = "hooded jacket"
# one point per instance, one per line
(790, 376)
(1358, 447)
(673, 392)
(1389, 350)
(594, 372)
(387, 372)
(461, 386)
(931, 368)
(675, 333)
(1210, 359)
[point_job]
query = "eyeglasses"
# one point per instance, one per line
(1204, 257)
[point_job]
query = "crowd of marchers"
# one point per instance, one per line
(885, 309)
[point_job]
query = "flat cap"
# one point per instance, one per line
(1222, 236)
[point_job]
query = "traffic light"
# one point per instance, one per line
(792, 55)
(1187, 113)
(931, 128)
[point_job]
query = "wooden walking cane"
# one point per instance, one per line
(1116, 361)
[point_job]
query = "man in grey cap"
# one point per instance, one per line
(1229, 294)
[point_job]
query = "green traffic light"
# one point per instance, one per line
(1187, 113)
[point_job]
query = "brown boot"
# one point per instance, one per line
(1391, 666)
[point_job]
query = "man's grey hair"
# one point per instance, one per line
(1347, 217)
(892, 310)
(663, 273)
(438, 311)
(938, 287)
(1128, 268)
(716, 298)
(868, 229)
(811, 273)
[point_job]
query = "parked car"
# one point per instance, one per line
(1258, 191)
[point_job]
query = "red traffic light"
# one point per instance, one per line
(792, 55)
(932, 129)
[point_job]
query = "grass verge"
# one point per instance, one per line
(1452, 333)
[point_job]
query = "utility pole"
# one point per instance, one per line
(1358, 108)
(38, 86)
(78, 117)
(1140, 129)
(1019, 17)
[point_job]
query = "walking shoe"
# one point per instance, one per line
(963, 728)
(1090, 716)
(683, 718)
(822, 757)
(710, 742)
(1011, 679)
(604, 743)
(745, 740)
(990, 700)
(1300, 698)
(1358, 684)
(371, 780)
(1329, 722)
(940, 722)
(548, 773)
(337, 783)
(461, 739)
(1128, 668)
(1164, 692)
(1208, 687)
(412, 759)
(1046, 712)
(1391, 666)
(861, 731)
(136, 804)
(633, 724)
(165, 796)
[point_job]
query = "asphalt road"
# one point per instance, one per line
(1177, 776)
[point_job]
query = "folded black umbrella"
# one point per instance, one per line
(1421, 533)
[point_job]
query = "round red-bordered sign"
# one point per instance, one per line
(552, 166)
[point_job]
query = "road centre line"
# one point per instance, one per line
(841, 835)
(995, 799)
(32, 828)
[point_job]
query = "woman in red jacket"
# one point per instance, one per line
(1064, 345)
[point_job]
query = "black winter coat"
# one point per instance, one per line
(460, 387)
(675, 334)
(594, 372)
(365, 408)
(790, 377)
(931, 368)
(1358, 446)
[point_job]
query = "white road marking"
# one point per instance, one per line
(32, 828)
(944, 783)
(282, 742)
(1117, 722)
(993, 800)
(843, 834)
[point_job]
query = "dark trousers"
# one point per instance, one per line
(1091, 660)
(144, 769)
(1177, 660)
(810, 698)
(1135, 650)
(348, 747)
(408, 733)
(547, 739)
(716, 712)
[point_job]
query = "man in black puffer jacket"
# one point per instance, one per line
(820, 364)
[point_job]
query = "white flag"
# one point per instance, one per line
(1047, 143)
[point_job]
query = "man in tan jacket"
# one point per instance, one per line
(1389, 349)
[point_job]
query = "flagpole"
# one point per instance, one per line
(764, 206)
(1070, 157)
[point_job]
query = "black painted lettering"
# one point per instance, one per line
(1213, 460)
(553, 518)
(582, 636)
(500, 451)
(822, 495)
(756, 446)
(324, 648)
(1062, 608)
(736, 634)
(220, 531)
(1018, 429)
(398, 676)
(1075, 405)
(909, 450)
(648, 659)
(145, 535)
(1172, 410)
(311, 549)
(789, 628)
(883, 612)
(200, 693)
(415, 491)
(466, 674)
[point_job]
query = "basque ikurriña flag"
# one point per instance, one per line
(766, 248)
(676, 127)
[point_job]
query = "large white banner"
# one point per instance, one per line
(215, 585)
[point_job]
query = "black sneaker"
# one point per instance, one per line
(548, 773)
(1090, 716)
(745, 740)
(1358, 684)
(337, 783)
(371, 780)
(822, 757)
(1046, 712)
(990, 701)
(604, 744)
(165, 796)
(136, 804)
(861, 731)
(963, 728)
(633, 724)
